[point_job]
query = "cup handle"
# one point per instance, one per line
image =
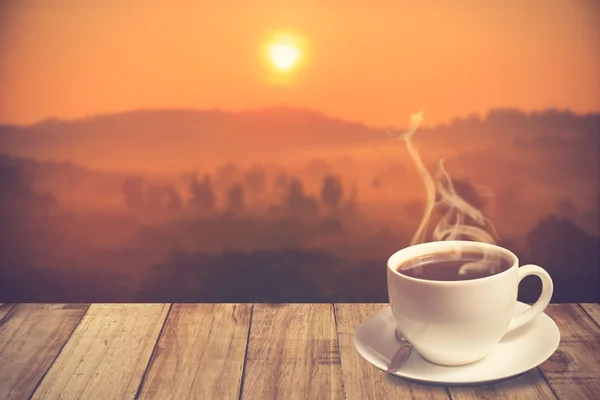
(541, 303)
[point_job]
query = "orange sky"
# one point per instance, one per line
(363, 62)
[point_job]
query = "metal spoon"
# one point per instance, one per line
(401, 355)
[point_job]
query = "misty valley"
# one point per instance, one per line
(279, 205)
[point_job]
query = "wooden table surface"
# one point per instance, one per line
(246, 351)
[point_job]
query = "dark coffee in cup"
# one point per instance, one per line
(450, 267)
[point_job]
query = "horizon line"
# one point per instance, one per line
(283, 107)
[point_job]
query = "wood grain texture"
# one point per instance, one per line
(200, 354)
(593, 310)
(361, 379)
(574, 324)
(107, 353)
(31, 337)
(292, 353)
(573, 371)
(530, 385)
(5, 309)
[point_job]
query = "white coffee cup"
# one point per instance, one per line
(459, 322)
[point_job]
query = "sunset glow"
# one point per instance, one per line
(370, 63)
(283, 56)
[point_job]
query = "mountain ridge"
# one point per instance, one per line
(185, 138)
(492, 113)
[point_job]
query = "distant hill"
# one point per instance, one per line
(185, 139)
(180, 138)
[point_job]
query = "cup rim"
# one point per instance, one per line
(400, 256)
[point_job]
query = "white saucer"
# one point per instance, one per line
(518, 351)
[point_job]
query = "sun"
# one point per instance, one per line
(283, 56)
(284, 51)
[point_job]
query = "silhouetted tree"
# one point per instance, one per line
(17, 194)
(256, 179)
(235, 198)
(160, 198)
(297, 203)
(173, 200)
(132, 192)
(469, 193)
(571, 257)
(332, 192)
(566, 209)
(226, 175)
(203, 198)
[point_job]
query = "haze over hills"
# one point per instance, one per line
(181, 139)
(159, 140)
(165, 205)
(535, 159)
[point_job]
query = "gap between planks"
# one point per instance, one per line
(162, 328)
(246, 353)
(592, 310)
(32, 337)
(59, 351)
(112, 343)
(5, 309)
(199, 353)
(293, 353)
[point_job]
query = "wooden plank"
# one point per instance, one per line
(593, 310)
(361, 379)
(573, 371)
(292, 353)
(574, 324)
(5, 309)
(200, 354)
(530, 385)
(107, 354)
(31, 337)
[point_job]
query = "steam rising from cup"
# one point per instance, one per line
(441, 194)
